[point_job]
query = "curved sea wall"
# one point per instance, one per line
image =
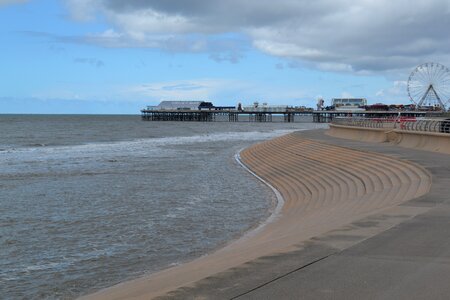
(373, 135)
(324, 187)
(429, 141)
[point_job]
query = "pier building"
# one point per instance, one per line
(202, 111)
(349, 103)
(182, 105)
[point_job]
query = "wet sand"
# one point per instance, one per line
(324, 187)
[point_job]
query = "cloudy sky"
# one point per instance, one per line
(114, 56)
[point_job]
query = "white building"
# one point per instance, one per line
(181, 105)
(349, 103)
(265, 108)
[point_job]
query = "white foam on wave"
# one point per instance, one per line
(136, 147)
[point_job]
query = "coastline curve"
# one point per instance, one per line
(275, 213)
(323, 187)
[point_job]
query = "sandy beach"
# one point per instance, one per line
(324, 187)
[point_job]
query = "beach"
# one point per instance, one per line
(325, 187)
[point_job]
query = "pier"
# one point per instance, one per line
(324, 116)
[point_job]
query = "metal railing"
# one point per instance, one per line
(401, 123)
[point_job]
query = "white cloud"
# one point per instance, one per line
(338, 35)
(287, 49)
(149, 21)
(201, 89)
(335, 67)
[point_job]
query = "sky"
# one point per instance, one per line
(116, 57)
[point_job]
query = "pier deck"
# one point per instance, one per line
(269, 116)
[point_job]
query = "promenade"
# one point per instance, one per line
(402, 252)
(360, 220)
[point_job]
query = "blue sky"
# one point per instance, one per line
(100, 56)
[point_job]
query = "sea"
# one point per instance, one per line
(89, 201)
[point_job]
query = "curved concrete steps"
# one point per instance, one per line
(324, 188)
(326, 182)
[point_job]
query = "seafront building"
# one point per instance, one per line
(206, 105)
(349, 103)
(256, 107)
(182, 105)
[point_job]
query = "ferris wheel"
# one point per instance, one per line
(429, 85)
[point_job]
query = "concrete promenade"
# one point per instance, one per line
(400, 253)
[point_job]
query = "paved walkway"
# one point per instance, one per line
(402, 253)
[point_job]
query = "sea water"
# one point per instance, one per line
(87, 202)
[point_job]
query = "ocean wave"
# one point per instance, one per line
(42, 152)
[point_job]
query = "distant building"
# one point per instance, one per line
(265, 108)
(182, 105)
(348, 103)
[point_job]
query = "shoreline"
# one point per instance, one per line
(308, 204)
(275, 211)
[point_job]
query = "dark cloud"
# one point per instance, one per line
(359, 36)
(218, 15)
